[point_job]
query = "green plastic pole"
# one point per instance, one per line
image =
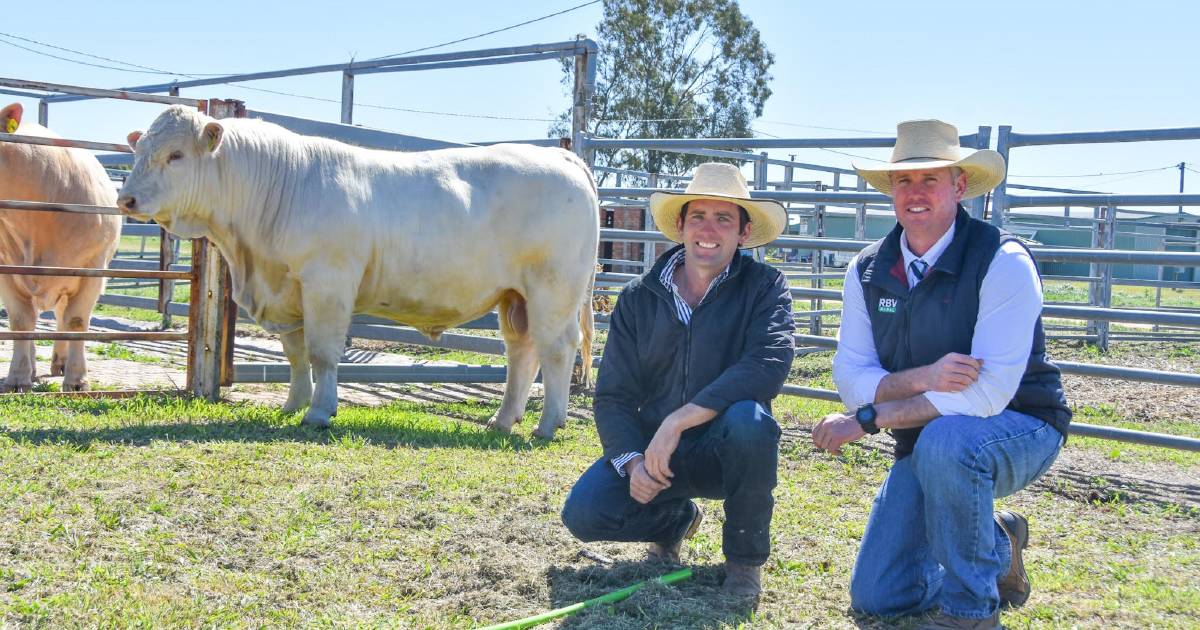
(608, 598)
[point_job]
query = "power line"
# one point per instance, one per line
(853, 155)
(788, 124)
(144, 69)
(150, 70)
(82, 63)
(1099, 174)
(499, 30)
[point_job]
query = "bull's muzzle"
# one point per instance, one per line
(126, 203)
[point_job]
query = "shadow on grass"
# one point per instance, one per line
(410, 426)
(1112, 488)
(693, 603)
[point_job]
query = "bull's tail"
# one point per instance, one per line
(588, 326)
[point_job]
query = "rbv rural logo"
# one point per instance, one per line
(887, 305)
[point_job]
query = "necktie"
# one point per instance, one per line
(919, 267)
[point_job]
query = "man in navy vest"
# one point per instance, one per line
(941, 343)
(697, 349)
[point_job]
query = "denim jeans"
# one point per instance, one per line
(931, 540)
(735, 459)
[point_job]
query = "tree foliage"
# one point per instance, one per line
(676, 69)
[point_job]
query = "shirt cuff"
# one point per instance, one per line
(619, 461)
(864, 386)
(951, 404)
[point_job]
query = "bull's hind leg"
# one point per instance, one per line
(557, 355)
(300, 391)
(522, 361)
(75, 316)
(328, 303)
(556, 335)
(21, 317)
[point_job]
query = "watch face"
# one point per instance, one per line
(865, 414)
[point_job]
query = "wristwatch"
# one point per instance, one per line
(866, 418)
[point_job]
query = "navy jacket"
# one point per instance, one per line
(738, 346)
(938, 316)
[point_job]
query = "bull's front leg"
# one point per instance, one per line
(328, 302)
(300, 391)
(21, 317)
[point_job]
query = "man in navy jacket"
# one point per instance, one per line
(697, 348)
(941, 343)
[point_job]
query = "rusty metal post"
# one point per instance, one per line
(581, 110)
(818, 267)
(1106, 274)
(166, 288)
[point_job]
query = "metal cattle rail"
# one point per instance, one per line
(1047, 254)
(209, 332)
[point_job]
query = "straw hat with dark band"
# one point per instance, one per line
(723, 182)
(926, 144)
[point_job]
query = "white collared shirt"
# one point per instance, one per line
(1010, 301)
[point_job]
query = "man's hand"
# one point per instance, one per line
(642, 487)
(662, 446)
(834, 430)
(952, 373)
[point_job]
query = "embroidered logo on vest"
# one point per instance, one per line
(887, 305)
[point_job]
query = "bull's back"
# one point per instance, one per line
(466, 225)
(56, 175)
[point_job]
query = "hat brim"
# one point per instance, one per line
(767, 218)
(984, 169)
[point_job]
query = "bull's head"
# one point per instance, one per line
(174, 162)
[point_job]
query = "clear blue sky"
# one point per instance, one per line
(1038, 66)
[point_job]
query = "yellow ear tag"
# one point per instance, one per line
(212, 144)
(12, 125)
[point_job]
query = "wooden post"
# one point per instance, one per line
(205, 328)
(213, 313)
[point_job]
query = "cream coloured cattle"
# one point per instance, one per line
(51, 239)
(315, 230)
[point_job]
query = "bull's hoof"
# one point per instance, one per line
(292, 407)
(12, 387)
(57, 365)
(496, 424)
(81, 386)
(544, 434)
(316, 420)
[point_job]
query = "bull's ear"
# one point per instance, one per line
(10, 117)
(213, 132)
(133, 138)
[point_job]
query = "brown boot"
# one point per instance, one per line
(1014, 586)
(743, 581)
(946, 622)
(661, 552)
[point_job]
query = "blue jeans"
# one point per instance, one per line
(931, 540)
(735, 459)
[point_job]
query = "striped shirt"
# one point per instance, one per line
(683, 310)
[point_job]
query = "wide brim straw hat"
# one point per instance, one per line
(926, 144)
(723, 182)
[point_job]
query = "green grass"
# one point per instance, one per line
(164, 512)
(1123, 296)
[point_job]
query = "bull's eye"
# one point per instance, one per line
(175, 155)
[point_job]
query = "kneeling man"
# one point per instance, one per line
(697, 348)
(941, 343)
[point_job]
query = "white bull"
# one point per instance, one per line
(51, 239)
(315, 230)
